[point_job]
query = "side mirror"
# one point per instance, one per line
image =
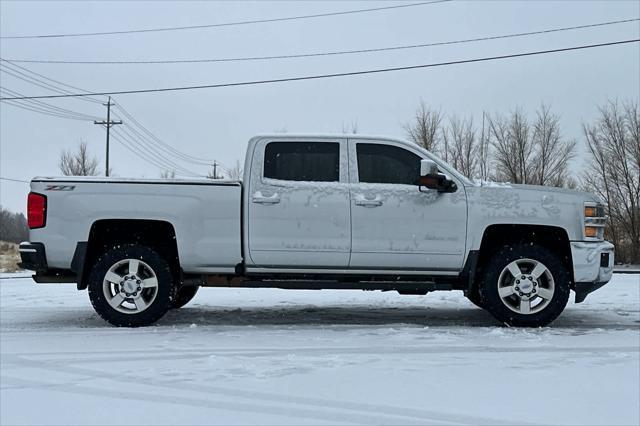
(431, 179)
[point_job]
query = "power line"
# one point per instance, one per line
(27, 76)
(165, 146)
(14, 180)
(153, 150)
(122, 140)
(40, 111)
(321, 54)
(156, 144)
(323, 76)
(228, 24)
(45, 108)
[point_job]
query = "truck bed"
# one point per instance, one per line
(204, 214)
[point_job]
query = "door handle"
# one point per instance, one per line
(361, 200)
(258, 198)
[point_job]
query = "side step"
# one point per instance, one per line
(402, 287)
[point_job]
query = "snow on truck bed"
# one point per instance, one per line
(262, 356)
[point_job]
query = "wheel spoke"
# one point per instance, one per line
(116, 300)
(140, 303)
(538, 270)
(149, 283)
(514, 269)
(525, 306)
(134, 265)
(112, 277)
(505, 291)
(545, 293)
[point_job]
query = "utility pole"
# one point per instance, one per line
(215, 169)
(108, 123)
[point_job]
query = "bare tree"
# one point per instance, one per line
(351, 128)
(614, 173)
(235, 173)
(78, 163)
(553, 153)
(530, 153)
(168, 174)
(513, 148)
(425, 128)
(461, 145)
(484, 153)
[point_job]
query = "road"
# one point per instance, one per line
(262, 356)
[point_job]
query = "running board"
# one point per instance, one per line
(404, 287)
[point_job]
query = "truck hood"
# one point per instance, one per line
(554, 190)
(532, 190)
(494, 203)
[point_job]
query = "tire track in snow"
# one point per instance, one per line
(168, 354)
(331, 410)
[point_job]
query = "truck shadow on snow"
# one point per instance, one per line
(343, 316)
(371, 316)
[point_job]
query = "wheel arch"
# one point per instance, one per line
(553, 238)
(106, 233)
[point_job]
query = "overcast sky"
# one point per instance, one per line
(216, 123)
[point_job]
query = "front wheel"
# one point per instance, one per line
(131, 286)
(525, 286)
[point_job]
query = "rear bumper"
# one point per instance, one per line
(592, 266)
(33, 257)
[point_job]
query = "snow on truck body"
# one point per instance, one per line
(319, 212)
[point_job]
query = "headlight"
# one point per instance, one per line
(594, 221)
(594, 211)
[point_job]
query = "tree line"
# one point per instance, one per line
(13, 227)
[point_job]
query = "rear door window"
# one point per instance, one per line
(302, 161)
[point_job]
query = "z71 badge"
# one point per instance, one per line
(60, 188)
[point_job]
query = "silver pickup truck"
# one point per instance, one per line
(319, 212)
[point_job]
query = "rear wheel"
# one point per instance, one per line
(131, 286)
(525, 286)
(184, 295)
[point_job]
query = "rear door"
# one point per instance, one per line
(298, 201)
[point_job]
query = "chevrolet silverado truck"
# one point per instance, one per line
(319, 212)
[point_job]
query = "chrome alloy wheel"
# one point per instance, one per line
(130, 286)
(526, 286)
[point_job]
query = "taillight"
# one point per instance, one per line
(36, 210)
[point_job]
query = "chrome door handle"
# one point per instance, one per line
(258, 198)
(368, 202)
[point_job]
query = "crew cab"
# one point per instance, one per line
(319, 212)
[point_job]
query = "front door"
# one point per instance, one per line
(394, 225)
(299, 205)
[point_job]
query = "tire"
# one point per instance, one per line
(184, 295)
(127, 298)
(525, 286)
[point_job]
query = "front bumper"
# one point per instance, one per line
(592, 266)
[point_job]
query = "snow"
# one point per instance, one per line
(263, 356)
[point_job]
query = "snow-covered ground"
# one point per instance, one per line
(247, 356)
